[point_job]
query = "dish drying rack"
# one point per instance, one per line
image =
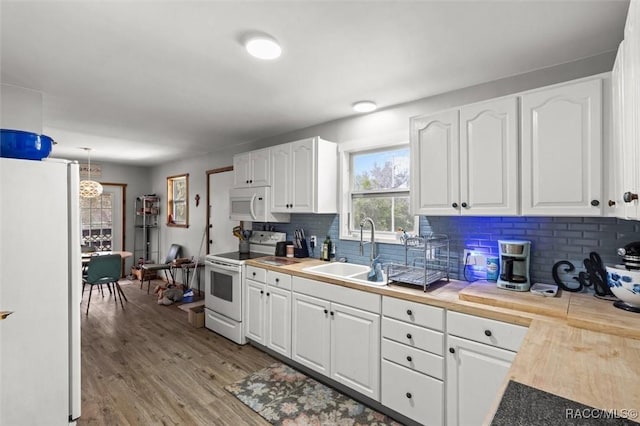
(426, 260)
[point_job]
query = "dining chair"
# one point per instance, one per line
(149, 269)
(105, 269)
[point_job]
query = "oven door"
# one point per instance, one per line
(223, 289)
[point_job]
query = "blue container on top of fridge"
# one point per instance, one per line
(24, 145)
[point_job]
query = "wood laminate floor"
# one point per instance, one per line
(146, 365)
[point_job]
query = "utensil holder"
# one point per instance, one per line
(243, 246)
(303, 251)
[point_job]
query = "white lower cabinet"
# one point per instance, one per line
(338, 340)
(268, 309)
(480, 353)
(412, 368)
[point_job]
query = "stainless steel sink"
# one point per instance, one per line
(346, 271)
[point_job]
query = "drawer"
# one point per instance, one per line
(412, 394)
(412, 335)
(278, 279)
(256, 274)
(414, 359)
(484, 330)
(413, 313)
(335, 293)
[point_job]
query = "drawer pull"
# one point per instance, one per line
(326, 311)
(453, 351)
(409, 358)
(487, 333)
(331, 313)
(261, 291)
(277, 280)
(268, 294)
(409, 395)
(409, 312)
(408, 335)
(254, 274)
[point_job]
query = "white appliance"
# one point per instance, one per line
(41, 283)
(224, 285)
(253, 205)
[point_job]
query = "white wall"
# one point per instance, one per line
(391, 120)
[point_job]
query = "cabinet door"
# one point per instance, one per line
(281, 178)
(242, 170)
(279, 320)
(475, 373)
(489, 158)
(355, 349)
(615, 204)
(562, 150)
(311, 332)
(303, 170)
(255, 311)
(435, 169)
(260, 170)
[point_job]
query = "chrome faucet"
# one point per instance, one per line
(373, 238)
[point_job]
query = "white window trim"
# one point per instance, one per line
(345, 149)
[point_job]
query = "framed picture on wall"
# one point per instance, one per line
(178, 201)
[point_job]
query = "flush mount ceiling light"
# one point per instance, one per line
(89, 188)
(364, 106)
(263, 46)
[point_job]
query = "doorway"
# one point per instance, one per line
(219, 227)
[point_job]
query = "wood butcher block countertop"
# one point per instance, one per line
(578, 347)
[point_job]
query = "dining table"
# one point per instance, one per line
(86, 257)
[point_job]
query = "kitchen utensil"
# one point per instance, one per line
(547, 290)
(625, 284)
(24, 145)
(246, 234)
(237, 232)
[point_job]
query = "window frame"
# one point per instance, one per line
(345, 150)
(173, 199)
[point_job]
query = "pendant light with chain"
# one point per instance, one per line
(89, 188)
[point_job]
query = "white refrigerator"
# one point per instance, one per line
(41, 284)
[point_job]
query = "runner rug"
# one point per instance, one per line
(284, 396)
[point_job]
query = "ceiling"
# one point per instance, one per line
(148, 81)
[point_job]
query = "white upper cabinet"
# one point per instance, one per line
(304, 177)
(465, 162)
(562, 150)
(489, 158)
(252, 169)
(435, 164)
(626, 116)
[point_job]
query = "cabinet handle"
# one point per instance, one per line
(409, 395)
(408, 335)
(277, 280)
(251, 181)
(487, 333)
(409, 312)
(254, 274)
(326, 311)
(409, 358)
(261, 291)
(629, 197)
(595, 203)
(611, 203)
(246, 181)
(454, 205)
(464, 205)
(331, 313)
(268, 294)
(451, 350)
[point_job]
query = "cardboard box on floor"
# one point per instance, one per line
(196, 316)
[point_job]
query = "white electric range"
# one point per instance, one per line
(224, 278)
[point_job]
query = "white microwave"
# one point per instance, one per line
(253, 205)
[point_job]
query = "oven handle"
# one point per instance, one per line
(220, 267)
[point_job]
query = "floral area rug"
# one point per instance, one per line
(284, 396)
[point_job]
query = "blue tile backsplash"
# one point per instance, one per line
(552, 239)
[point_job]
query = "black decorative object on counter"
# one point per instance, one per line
(522, 405)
